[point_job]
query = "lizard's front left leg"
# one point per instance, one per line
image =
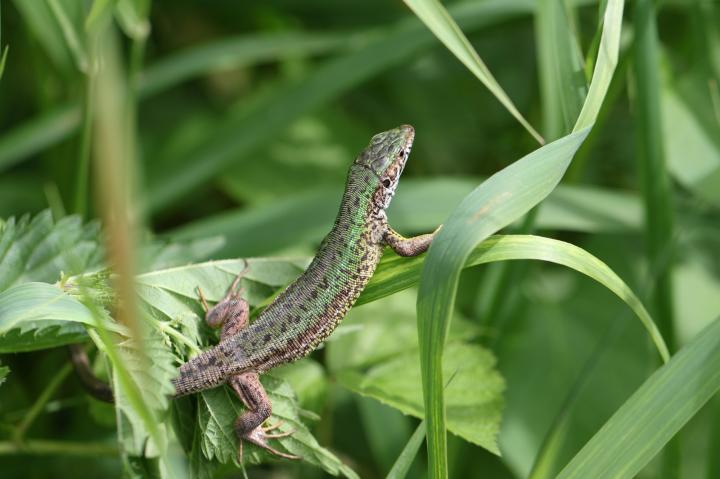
(408, 246)
(231, 313)
(258, 408)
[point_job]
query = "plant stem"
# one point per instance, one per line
(39, 404)
(655, 187)
(43, 447)
(81, 180)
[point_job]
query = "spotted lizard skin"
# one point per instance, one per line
(311, 307)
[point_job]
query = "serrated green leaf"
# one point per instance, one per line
(218, 409)
(377, 355)
(40, 249)
(172, 296)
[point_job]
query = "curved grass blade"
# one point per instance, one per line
(396, 274)
(496, 203)
(439, 21)
(407, 456)
(605, 64)
(654, 413)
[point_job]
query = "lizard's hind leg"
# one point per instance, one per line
(248, 426)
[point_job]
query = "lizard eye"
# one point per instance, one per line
(386, 183)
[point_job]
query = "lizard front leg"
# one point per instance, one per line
(231, 313)
(408, 246)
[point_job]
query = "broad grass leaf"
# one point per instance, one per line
(439, 21)
(407, 456)
(654, 413)
(560, 65)
(496, 203)
(400, 273)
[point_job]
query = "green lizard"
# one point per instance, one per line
(310, 308)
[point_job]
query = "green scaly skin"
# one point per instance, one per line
(310, 308)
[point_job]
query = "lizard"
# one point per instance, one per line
(310, 308)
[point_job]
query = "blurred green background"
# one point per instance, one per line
(248, 115)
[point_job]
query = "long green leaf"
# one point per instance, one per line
(496, 203)
(560, 65)
(407, 456)
(654, 413)
(605, 64)
(400, 273)
(439, 21)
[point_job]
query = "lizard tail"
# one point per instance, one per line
(202, 372)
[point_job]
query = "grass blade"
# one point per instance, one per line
(407, 456)
(502, 199)
(652, 416)
(560, 63)
(439, 21)
(605, 64)
(496, 203)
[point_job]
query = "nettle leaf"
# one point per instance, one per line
(40, 249)
(151, 366)
(172, 297)
(218, 408)
(377, 355)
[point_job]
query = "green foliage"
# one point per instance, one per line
(4, 371)
(230, 134)
(655, 413)
(39, 249)
(38, 316)
(381, 361)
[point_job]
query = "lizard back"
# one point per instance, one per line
(310, 308)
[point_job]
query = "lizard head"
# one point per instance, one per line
(386, 156)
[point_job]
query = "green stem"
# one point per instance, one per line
(81, 180)
(39, 404)
(41, 447)
(655, 187)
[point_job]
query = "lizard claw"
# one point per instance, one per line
(272, 427)
(258, 437)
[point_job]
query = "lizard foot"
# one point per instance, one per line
(259, 437)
